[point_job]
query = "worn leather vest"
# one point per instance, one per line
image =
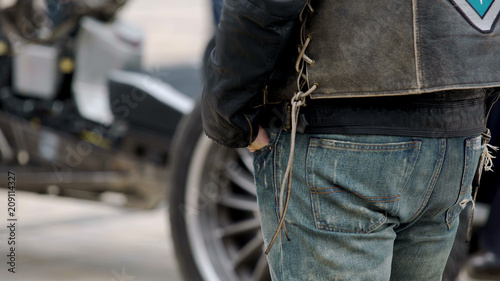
(394, 47)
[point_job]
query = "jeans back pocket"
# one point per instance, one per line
(354, 185)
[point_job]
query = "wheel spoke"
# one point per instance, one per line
(241, 177)
(247, 159)
(261, 272)
(226, 234)
(238, 202)
(239, 228)
(252, 248)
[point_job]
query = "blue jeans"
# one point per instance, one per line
(365, 207)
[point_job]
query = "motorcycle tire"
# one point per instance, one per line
(213, 208)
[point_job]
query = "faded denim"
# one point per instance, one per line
(365, 207)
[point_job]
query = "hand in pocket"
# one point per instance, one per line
(261, 141)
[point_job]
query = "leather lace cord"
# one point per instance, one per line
(298, 100)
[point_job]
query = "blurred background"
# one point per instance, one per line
(177, 32)
(60, 238)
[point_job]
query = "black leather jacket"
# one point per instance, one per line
(255, 48)
(250, 37)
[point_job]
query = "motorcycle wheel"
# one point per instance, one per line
(213, 209)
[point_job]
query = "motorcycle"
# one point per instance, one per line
(79, 116)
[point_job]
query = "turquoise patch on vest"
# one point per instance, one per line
(481, 6)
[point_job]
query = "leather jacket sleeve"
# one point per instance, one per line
(249, 39)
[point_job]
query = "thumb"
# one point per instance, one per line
(260, 141)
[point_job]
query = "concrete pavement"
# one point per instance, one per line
(69, 239)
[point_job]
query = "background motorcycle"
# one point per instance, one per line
(78, 116)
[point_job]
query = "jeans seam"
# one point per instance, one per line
(415, 144)
(375, 225)
(434, 178)
(468, 154)
(466, 164)
(366, 149)
(282, 268)
(363, 147)
(463, 191)
(326, 188)
(314, 202)
(276, 154)
(326, 192)
(275, 176)
(369, 198)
